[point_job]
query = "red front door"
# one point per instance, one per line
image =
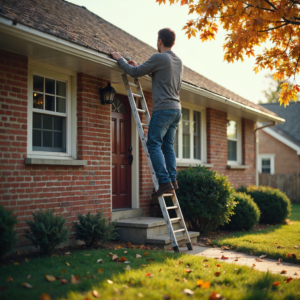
(121, 144)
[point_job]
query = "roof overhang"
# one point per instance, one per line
(282, 139)
(49, 49)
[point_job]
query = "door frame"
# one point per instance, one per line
(135, 192)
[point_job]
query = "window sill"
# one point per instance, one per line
(193, 164)
(58, 162)
(237, 167)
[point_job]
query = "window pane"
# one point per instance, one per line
(47, 138)
(58, 139)
(232, 150)
(47, 122)
(58, 123)
(37, 138)
(38, 83)
(231, 129)
(50, 86)
(37, 121)
(197, 139)
(49, 104)
(185, 133)
(60, 105)
(61, 88)
(266, 162)
(38, 100)
(176, 143)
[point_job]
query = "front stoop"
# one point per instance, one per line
(149, 230)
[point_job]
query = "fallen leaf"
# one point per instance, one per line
(217, 273)
(75, 280)
(149, 275)
(128, 268)
(63, 271)
(67, 264)
(95, 294)
(109, 281)
(50, 278)
(283, 272)
(100, 261)
(295, 273)
(159, 270)
(100, 271)
(276, 283)
(296, 247)
(114, 257)
(180, 262)
(188, 292)
(288, 279)
(216, 257)
(214, 296)
(125, 252)
(263, 256)
(259, 260)
(119, 247)
(206, 285)
(67, 253)
(219, 266)
(254, 265)
(143, 265)
(27, 285)
(236, 260)
(146, 253)
(138, 256)
(122, 259)
(288, 255)
(280, 247)
(45, 296)
(225, 247)
(64, 281)
(224, 257)
(280, 260)
(15, 263)
(9, 278)
(200, 282)
(188, 271)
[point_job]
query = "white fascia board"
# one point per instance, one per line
(33, 35)
(282, 139)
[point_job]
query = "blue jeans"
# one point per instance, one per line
(160, 143)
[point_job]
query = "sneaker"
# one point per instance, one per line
(175, 185)
(163, 188)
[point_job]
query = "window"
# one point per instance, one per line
(190, 137)
(266, 163)
(118, 106)
(234, 151)
(51, 115)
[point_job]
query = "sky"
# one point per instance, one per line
(144, 18)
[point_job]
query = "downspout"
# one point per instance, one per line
(256, 148)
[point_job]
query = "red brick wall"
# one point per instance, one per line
(217, 148)
(69, 190)
(286, 159)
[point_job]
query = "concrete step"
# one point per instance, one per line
(149, 230)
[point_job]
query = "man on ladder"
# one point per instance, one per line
(165, 68)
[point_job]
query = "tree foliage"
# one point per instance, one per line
(251, 23)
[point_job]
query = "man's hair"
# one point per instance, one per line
(167, 36)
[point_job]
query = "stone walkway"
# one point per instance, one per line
(272, 265)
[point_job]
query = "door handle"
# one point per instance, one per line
(130, 156)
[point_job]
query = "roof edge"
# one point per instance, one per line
(52, 41)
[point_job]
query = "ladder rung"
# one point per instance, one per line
(168, 195)
(133, 84)
(175, 219)
(141, 110)
(137, 95)
(179, 230)
(172, 207)
(145, 125)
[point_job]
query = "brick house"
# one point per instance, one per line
(62, 149)
(279, 146)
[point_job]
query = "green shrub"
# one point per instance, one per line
(205, 198)
(47, 231)
(246, 213)
(274, 205)
(94, 229)
(7, 234)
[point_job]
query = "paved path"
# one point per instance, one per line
(246, 259)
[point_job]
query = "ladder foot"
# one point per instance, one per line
(176, 249)
(189, 246)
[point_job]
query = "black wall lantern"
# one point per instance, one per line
(107, 94)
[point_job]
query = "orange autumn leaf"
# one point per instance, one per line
(200, 282)
(180, 262)
(288, 255)
(276, 283)
(148, 274)
(219, 266)
(206, 285)
(188, 271)
(122, 259)
(159, 270)
(289, 279)
(45, 296)
(224, 257)
(214, 296)
(146, 253)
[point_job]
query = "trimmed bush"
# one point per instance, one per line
(47, 231)
(7, 234)
(94, 229)
(205, 198)
(274, 205)
(246, 213)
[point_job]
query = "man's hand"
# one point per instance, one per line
(115, 55)
(132, 63)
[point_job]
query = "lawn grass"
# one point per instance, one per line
(234, 281)
(267, 240)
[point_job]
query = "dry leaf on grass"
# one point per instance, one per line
(188, 271)
(64, 281)
(276, 283)
(95, 294)
(9, 278)
(138, 256)
(159, 270)
(109, 281)
(289, 279)
(145, 254)
(100, 261)
(188, 292)
(100, 271)
(115, 257)
(67, 253)
(219, 266)
(27, 285)
(296, 247)
(214, 296)
(125, 252)
(75, 280)
(123, 259)
(206, 285)
(50, 278)
(128, 268)
(67, 264)
(45, 296)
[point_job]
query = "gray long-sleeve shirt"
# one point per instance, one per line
(166, 69)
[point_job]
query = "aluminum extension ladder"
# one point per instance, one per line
(179, 219)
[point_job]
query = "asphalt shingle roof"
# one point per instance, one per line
(77, 24)
(291, 128)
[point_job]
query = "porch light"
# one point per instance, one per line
(107, 94)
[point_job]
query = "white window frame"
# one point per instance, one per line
(239, 140)
(35, 68)
(270, 156)
(192, 161)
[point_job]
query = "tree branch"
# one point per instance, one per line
(273, 28)
(271, 4)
